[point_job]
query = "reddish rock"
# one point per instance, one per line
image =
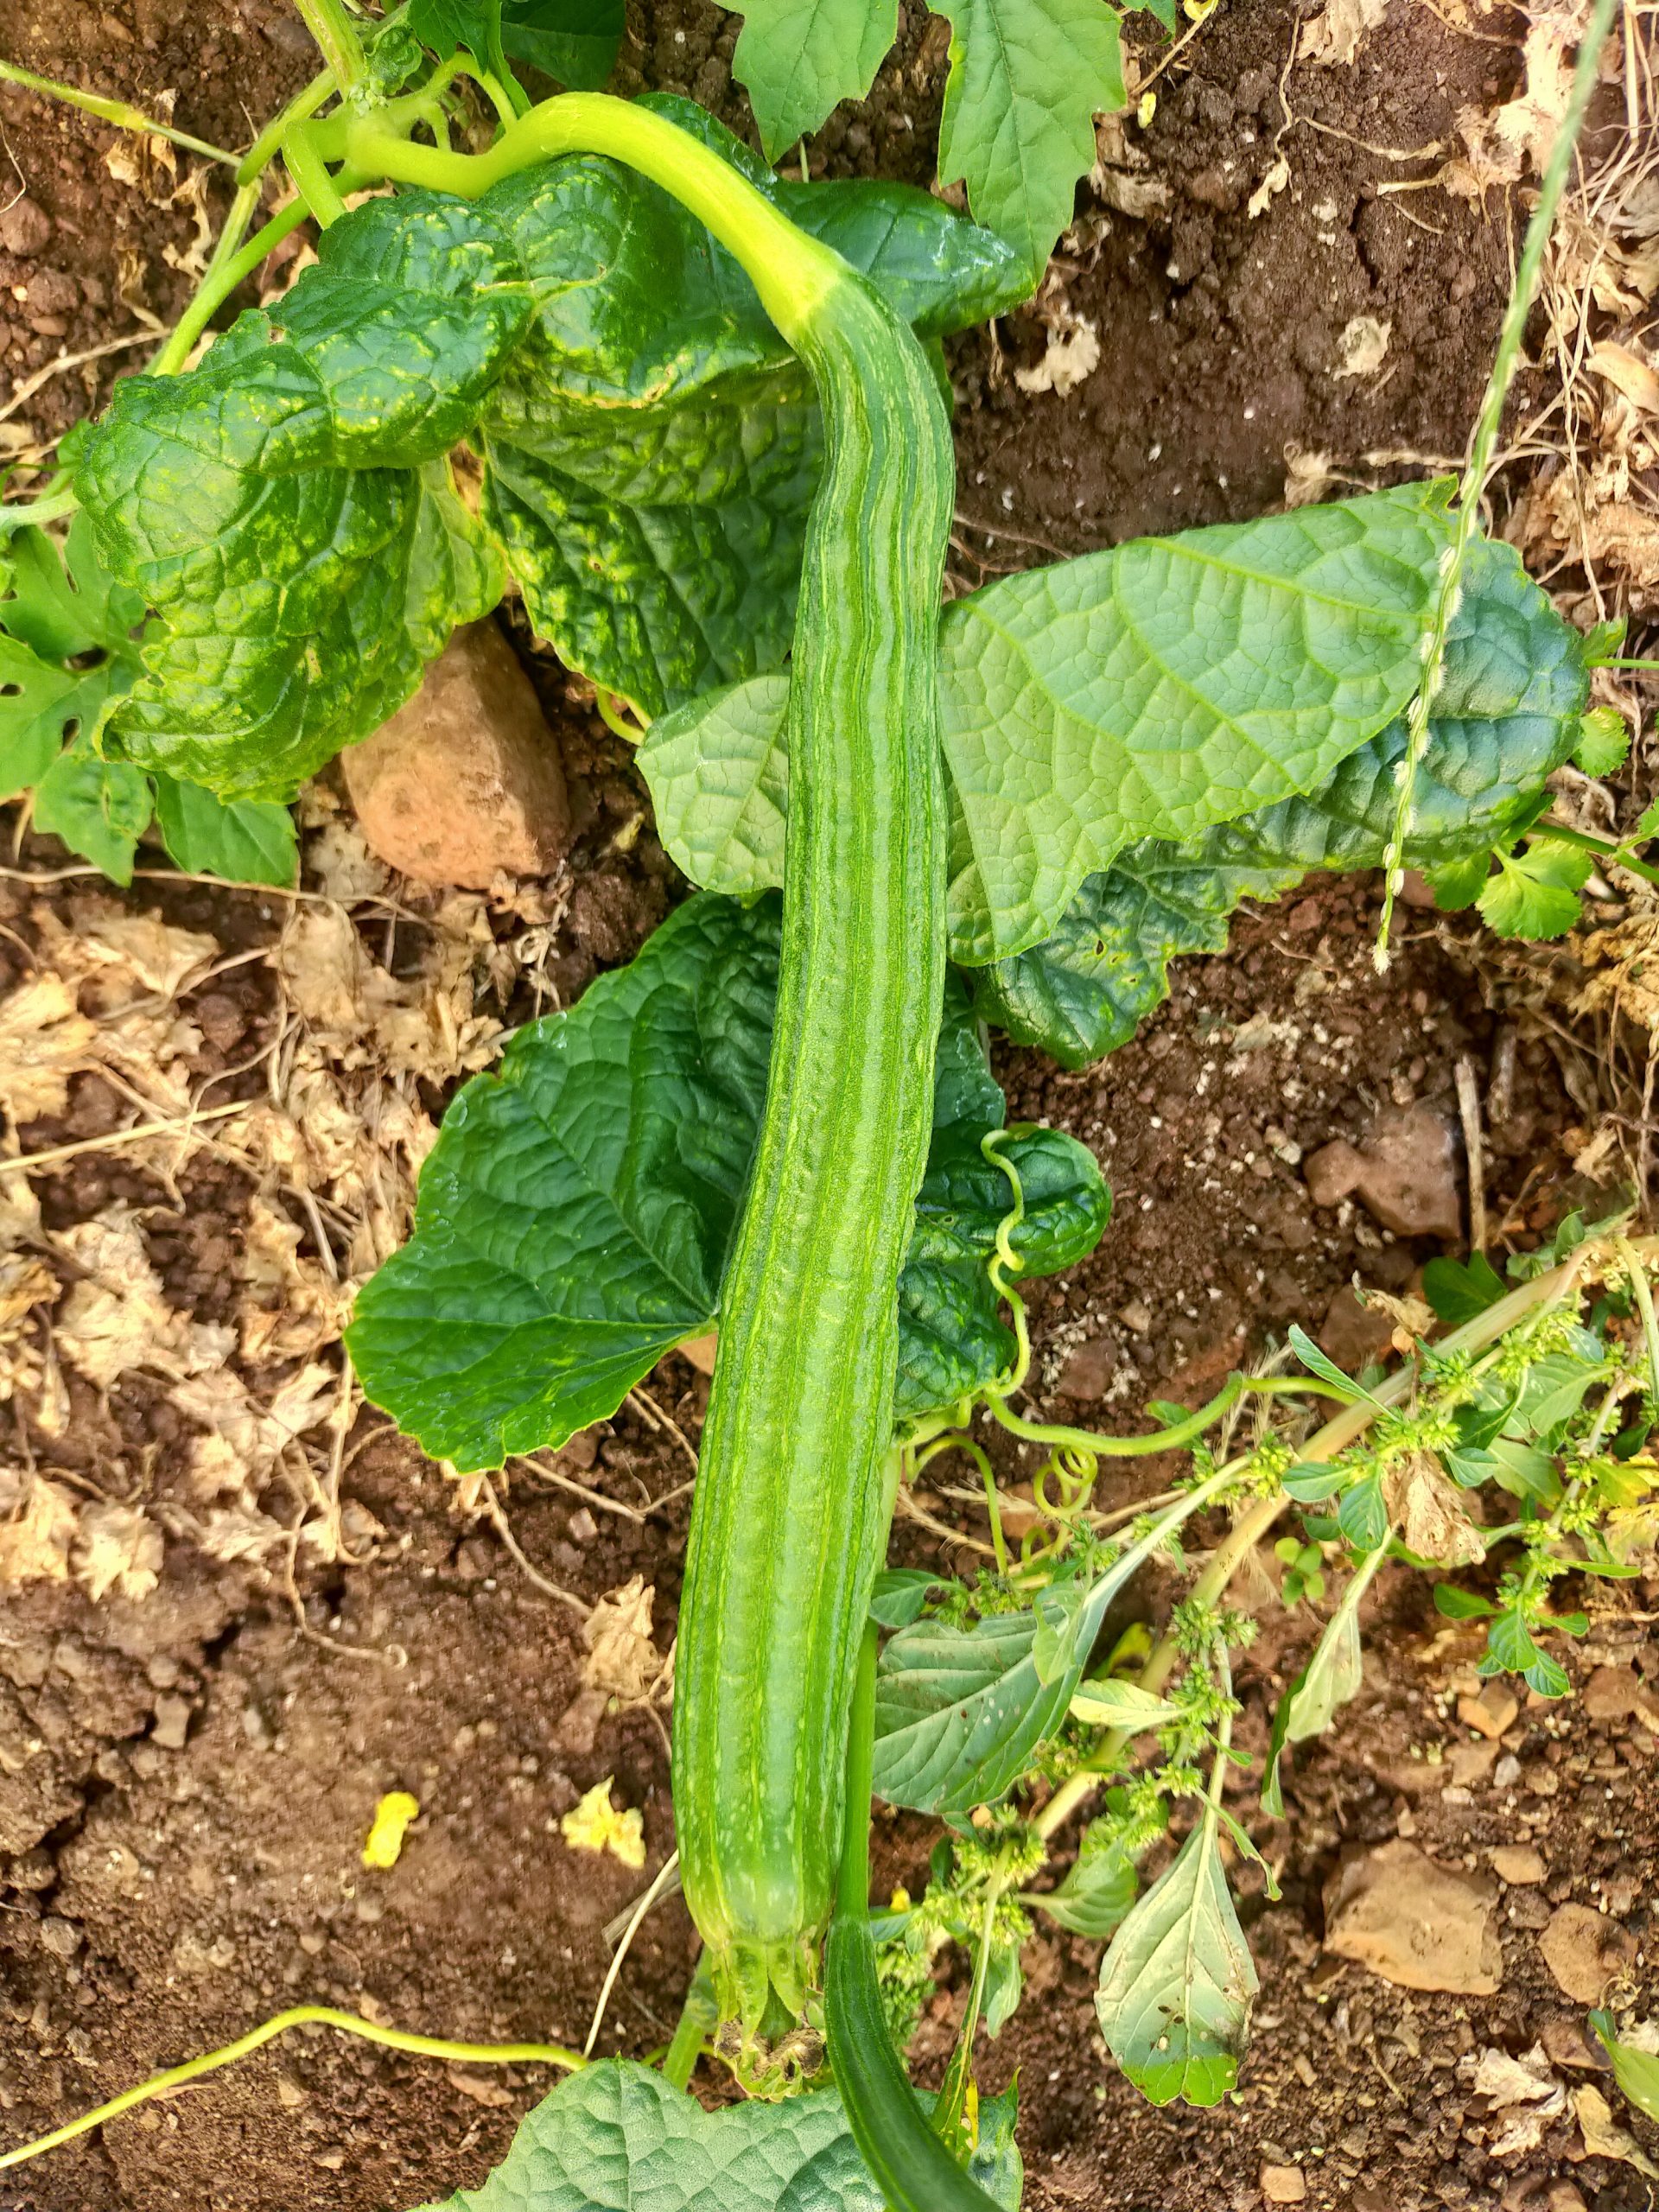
(1611, 1693)
(1418, 1924)
(1088, 1370)
(465, 782)
(1405, 1174)
(1585, 1950)
(24, 228)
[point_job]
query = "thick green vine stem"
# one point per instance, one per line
(297, 2016)
(122, 113)
(791, 1509)
(1504, 364)
(912, 2167)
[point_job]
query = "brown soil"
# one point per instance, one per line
(184, 1782)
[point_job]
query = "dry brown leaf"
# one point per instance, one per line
(121, 946)
(1499, 145)
(1432, 1513)
(118, 1547)
(247, 1439)
(235, 1535)
(1070, 357)
(117, 1318)
(1604, 2137)
(295, 1306)
(34, 1540)
(1363, 347)
(1332, 39)
(341, 865)
(621, 1658)
(44, 1039)
(1627, 371)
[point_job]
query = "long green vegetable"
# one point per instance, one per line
(792, 1505)
(912, 2168)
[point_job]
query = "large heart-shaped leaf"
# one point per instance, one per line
(286, 509)
(1150, 691)
(574, 1218)
(653, 454)
(1506, 716)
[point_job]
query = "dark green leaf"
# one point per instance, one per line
(245, 841)
(652, 456)
(616, 2133)
(286, 510)
(1637, 2072)
(98, 807)
(1177, 1986)
(1504, 721)
(54, 610)
(959, 1711)
(1316, 1362)
(1457, 1605)
(798, 59)
(1027, 78)
(574, 1218)
(1310, 1482)
(1363, 1514)
(573, 41)
(1461, 1290)
(900, 1594)
(1099, 1889)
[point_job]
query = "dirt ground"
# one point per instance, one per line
(187, 1776)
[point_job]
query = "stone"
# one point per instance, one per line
(1283, 2184)
(172, 1723)
(465, 782)
(25, 227)
(1418, 1924)
(1564, 2197)
(1611, 1693)
(1465, 1764)
(1354, 1335)
(1565, 2044)
(1518, 1865)
(1491, 1714)
(1089, 1370)
(1585, 1951)
(1404, 1174)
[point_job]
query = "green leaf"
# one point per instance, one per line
(1461, 1290)
(98, 807)
(285, 507)
(1114, 697)
(54, 610)
(1332, 1676)
(1099, 1887)
(244, 841)
(1310, 1482)
(1535, 891)
(1637, 2072)
(574, 41)
(1455, 1605)
(799, 59)
(1084, 990)
(574, 1217)
(1604, 741)
(1458, 884)
(616, 2133)
(959, 1711)
(1027, 78)
(1177, 1986)
(651, 458)
(1316, 1362)
(1113, 1704)
(1363, 1514)
(900, 1594)
(1504, 721)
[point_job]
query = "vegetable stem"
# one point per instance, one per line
(304, 106)
(298, 2016)
(793, 273)
(336, 37)
(1473, 482)
(217, 288)
(120, 112)
(1586, 841)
